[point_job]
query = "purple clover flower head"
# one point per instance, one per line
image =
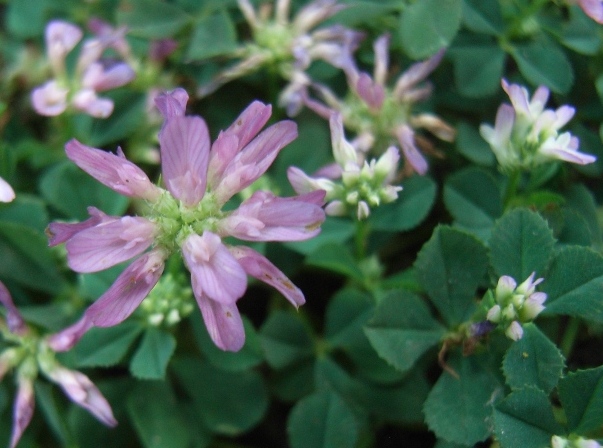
(28, 354)
(380, 115)
(92, 75)
(289, 45)
(7, 194)
(352, 184)
(187, 217)
(526, 135)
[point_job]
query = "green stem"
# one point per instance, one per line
(569, 336)
(512, 185)
(360, 239)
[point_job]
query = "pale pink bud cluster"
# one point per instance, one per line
(93, 74)
(19, 357)
(525, 134)
(382, 116)
(515, 305)
(352, 183)
(187, 217)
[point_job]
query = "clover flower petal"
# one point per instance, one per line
(185, 144)
(112, 170)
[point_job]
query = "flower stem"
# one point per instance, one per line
(569, 336)
(511, 188)
(360, 239)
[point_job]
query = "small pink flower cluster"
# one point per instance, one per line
(93, 74)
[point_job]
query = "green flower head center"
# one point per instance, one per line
(363, 186)
(380, 123)
(524, 144)
(176, 221)
(274, 40)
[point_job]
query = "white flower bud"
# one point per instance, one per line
(173, 317)
(559, 442)
(514, 331)
(509, 312)
(155, 319)
(506, 285)
(363, 210)
(533, 306)
(494, 314)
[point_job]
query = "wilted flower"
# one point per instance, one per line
(512, 305)
(7, 194)
(187, 217)
(526, 134)
(382, 116)
(27, 353)
(288, 47)
(92, 74)
(352, 183)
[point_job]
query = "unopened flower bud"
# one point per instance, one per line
(506, 285)
(514, 331)
(509, 312)
(363, 210)
(533, 306)
(518, 300)
(494, 314)
(559, 442)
